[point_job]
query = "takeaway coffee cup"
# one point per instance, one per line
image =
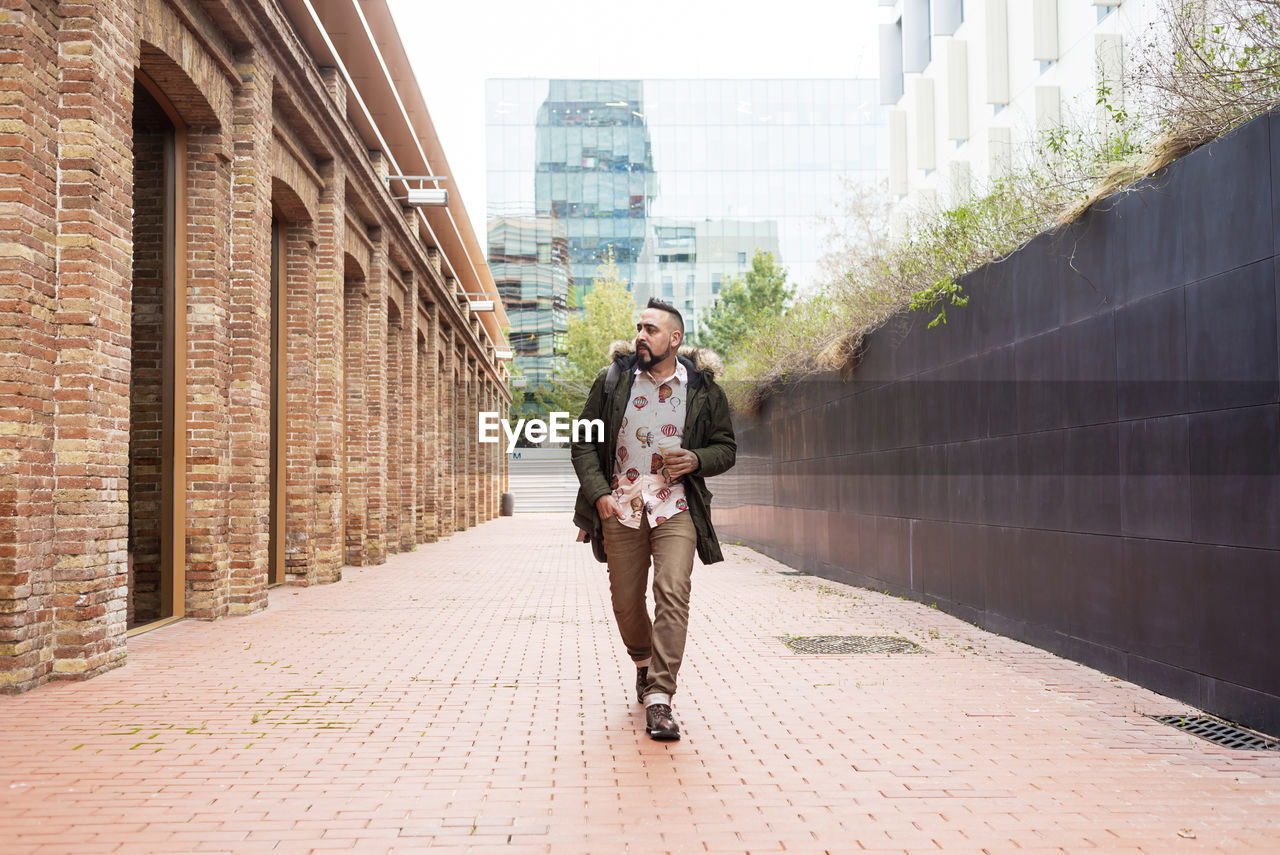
(666, 445)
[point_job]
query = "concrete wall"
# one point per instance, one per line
(1086, 458)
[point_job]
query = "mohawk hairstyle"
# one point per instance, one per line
(655, 303)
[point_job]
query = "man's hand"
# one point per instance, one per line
(680, 461)
(607, 505)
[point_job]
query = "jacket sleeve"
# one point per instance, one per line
(586, 457)
(721, 450)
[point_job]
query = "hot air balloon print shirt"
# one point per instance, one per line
(639, 482)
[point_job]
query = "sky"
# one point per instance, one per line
(455, 46)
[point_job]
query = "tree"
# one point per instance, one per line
(745, 303)
(608, 314)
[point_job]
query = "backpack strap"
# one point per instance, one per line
(611, 379)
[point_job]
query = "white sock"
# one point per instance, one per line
(644, 663)
(657, 698)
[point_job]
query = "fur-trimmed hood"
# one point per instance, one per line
(704, 359)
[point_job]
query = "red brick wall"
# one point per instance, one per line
(301, 425)
(379, 442)
(208, 334)
(28, 339)
(458, 408)
(356, 303)
(407, 434)
(250, 404)
(97, 53)
(374, 366)
(424, 442)
(446, 434)
(443, 440)
(395, 469)
(329, 355)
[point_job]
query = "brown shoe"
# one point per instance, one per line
(642, 680)
(660, 722)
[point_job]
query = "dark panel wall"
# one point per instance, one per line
(1087, 457)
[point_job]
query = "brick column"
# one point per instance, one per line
(430, 475)
(375, 368)
(355, 424)
(446, 488)
(504, 457)
(461, 401)
(299, 442)
(336, 86)
(329, 358)
(408, 418)
(495, 496)
(97, 49)
(422, 442)
(473, 447)
(394, 456)
(208, 465)
(487, 452)
(250, 404)
(495, 462)
(482, 451)
(28, 342)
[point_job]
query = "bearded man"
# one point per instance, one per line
(643, 494)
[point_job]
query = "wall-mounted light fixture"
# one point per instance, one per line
(429, 197)
(423, 197)
(478, 302)
(503, 355)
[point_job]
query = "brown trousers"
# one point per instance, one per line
(671, 547)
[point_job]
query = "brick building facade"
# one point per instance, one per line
(230, 356)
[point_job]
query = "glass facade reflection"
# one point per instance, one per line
(682, 179)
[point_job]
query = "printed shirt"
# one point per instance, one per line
(639, 481)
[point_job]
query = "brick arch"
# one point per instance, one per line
(188, 99)
(351, 267)
(287, 203)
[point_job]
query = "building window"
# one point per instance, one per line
(742, 259)
(917, 43)
(891, 80)
(715, 284)
(668, 288)
(948, 15)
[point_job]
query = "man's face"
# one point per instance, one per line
(656, 338)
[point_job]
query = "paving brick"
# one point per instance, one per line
(457, 699)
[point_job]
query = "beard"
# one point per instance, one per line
(646, 358)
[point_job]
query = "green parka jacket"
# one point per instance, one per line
(708, 433)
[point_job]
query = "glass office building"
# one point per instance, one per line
(681, 180)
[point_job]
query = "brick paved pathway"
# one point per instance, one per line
(472, 697)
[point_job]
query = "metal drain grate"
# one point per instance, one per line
(1219, 732)
(834, 644)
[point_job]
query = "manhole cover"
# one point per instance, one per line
(830, 644)
(1220, 732)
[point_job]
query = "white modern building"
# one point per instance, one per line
(686, 262)
(972, 83)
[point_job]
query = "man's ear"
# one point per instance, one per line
(676, 338)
